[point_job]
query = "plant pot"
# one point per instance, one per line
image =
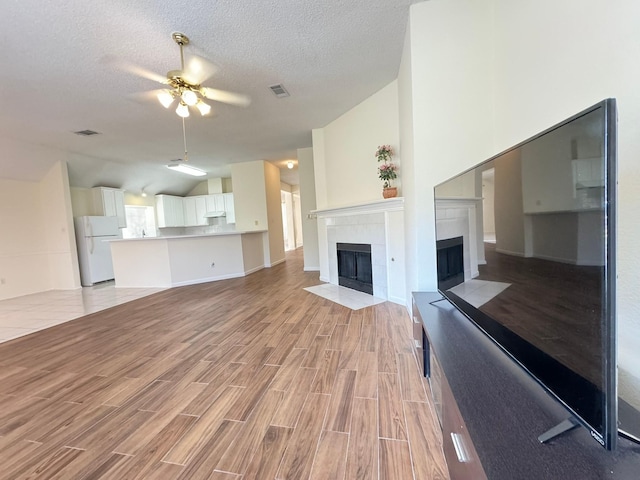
(390, 192)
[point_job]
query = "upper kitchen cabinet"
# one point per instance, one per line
(229, 207)
(194, 210)
(109, 202)
(170, 211)
(215, 202)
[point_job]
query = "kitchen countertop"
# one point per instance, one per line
(174, 237)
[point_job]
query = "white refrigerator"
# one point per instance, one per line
(94, 252)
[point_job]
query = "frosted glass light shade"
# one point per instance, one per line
(189, 97)
(165, 98)
(204, 108)
(182, 110)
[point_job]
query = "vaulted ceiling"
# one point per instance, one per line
(60, 74)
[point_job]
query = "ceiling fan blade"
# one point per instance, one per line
(137, 70)
(148, 96)
(198, 69)
(223, 96)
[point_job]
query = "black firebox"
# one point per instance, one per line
(354, 266)
(450, 262)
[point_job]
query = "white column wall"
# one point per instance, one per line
(307, 204)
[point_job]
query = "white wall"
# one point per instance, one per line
(307, 204)
(274, 214)
(445, 93)
(346, 169)
(37, 243)
(249, 195)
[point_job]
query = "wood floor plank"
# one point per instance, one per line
(252, 394)
(362, 456)
(316, 352)
(155, 377)
(201, 466)
(153, 452)
(390, 408)
(425, 442)
(239, 454)
(386, 356)
(338, 417)
(268, 454)
(331, 457)
(182, 395)
(395, 460)
(288, 370)
(410, 381)
(294, 399)
(298, 457)
(51, 466)
(327, 372)
(367, 378)
(195, 439)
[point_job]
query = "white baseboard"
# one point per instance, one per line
(206, 280)
(311, 269)
(325, 279)
(254, 270)
(398, 300)
(273, 264)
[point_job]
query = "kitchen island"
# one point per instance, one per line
(174, 261)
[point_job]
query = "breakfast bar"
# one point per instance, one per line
(174, 261)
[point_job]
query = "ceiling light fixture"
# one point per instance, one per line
(179, 167)
(182, 110)
(289, 164)
(190, 94)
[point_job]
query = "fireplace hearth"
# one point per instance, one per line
(354, 266)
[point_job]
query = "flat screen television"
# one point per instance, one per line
(526, 250)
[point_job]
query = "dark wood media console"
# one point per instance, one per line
(492, 411)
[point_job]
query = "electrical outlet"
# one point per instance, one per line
(2, 281)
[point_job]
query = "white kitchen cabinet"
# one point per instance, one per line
(194, 209)
(109, 202)
(215, 202)
(170, 211)
(229, 207)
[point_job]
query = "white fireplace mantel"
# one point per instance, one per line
(379, 223)
(385, 205)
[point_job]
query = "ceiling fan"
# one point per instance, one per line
(185, 84)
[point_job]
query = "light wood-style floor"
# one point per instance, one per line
(251, 378)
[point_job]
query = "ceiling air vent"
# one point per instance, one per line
(86, 133)
(279, 90)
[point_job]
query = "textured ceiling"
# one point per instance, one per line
(56, 78)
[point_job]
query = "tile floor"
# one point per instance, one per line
(347, 297)
(479, 292)
(27, 314)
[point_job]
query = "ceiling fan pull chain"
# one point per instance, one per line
(184, 136)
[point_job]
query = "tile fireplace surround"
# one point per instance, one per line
(378, 223)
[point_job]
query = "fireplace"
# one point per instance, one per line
(354, 266)
(450, 260)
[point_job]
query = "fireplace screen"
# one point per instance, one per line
(354, 266)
